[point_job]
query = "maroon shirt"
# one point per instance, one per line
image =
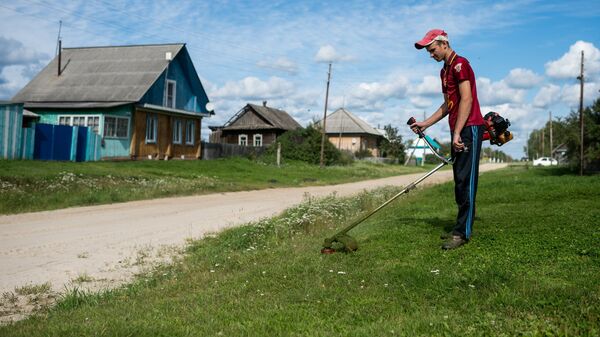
(452, 74)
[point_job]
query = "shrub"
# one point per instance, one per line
(364, 153)
(304, 144)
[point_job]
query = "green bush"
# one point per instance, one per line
(304, 144)
(364, 153)
(346, 158)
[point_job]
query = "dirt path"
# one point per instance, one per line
(103, 246)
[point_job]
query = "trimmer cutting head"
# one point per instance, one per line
(339, 243)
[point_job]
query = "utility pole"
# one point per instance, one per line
(325, 119)
(543, 138)
(580, 78)
(551, 145)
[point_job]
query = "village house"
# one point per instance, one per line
(254, 125)
(144, 101)
(350, 133)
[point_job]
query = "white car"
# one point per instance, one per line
(545, 161)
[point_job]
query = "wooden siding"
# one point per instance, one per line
(11, 119)
(164, 146)
(250, 118)
(189, 92)
(230, 137)
(355, 143)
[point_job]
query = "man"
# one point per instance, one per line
(466, 127)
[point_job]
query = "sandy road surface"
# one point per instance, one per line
(103, 245)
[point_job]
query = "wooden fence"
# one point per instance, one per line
(218, 150)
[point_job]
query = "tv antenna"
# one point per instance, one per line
(58, 38)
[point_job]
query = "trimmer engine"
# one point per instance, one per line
(496, 129)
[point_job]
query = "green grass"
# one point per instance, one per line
(28, 186)
(532, 268)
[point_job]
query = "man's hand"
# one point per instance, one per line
(457, 143)
(415, 127)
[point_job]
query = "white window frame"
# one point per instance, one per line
(115, 130)
(190, 128)
(177, 131)
(151, 128)
(68, 120)
(257, 139)
(174, 99)
(243, 139)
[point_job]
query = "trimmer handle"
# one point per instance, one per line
(412, 121)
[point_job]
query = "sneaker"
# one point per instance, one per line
(456, 242)
(446, 236)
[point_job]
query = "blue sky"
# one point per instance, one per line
(525, 53)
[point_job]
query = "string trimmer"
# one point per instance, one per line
(495, 130)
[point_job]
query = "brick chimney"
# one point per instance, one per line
(265, 104)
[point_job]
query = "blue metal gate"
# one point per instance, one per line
(63, 142)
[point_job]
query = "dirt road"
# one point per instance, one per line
(104, 245)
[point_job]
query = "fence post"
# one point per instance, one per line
(278, 154)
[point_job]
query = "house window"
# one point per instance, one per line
(78, 120)
(116, 127)
(93, 122)
(177, 131)
(189, 132)
(243, 140)
(170, 94)
(151, 128)
(64, 120)
(258, 140)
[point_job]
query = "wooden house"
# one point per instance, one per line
(350, 133)
(254, 125)
(145, 101)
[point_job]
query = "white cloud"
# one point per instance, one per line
(570, 94)
(396, 88)
(430, 86)
(420, 102)
(254, 88)
(521, 78)
(13, 52)
(328, 54)
(282, 64)
(492, 93)
(547, 95)
(569, 65)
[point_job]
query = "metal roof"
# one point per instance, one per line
(343, 121)
(116, 74)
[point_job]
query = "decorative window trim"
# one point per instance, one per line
(174, 98)
(118, 130)
(190, 132)
(257, 139)
(177, 131)
(62, 120)
(151, 128)
(243, 139)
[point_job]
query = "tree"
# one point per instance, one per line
(304, 144)
(567, 132)
(591, 138)
(391, 146)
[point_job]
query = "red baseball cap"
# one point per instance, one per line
(432, 35)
